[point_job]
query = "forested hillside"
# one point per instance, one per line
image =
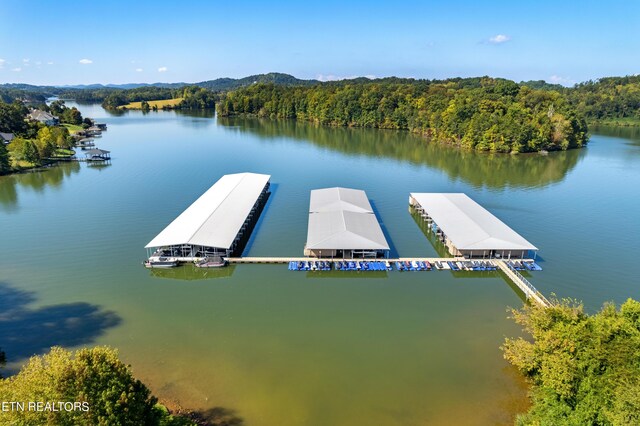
(224, 84)
(477, 113)
(607, 98)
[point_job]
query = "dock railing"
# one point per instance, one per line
(528, 289)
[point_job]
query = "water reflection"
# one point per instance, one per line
(631, 136)
(480, 170)
(192, 118)
(619, 132)
(38, 181)
(101, 165)
(192, 273)
(26, 331)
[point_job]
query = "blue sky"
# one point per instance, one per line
(80, 42)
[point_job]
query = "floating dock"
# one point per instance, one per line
(343, 229)
(217, 223)
(530, 292)
(468, 229)
(343, 224)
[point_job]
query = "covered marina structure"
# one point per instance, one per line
(216, 224)
(342, 224)
(468, 229)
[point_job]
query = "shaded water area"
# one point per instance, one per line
(267, 346)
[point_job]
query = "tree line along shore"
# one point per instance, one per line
(482, 113)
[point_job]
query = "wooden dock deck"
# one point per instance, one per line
(521, 282)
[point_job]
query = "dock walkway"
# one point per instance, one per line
(521, 282)
(331, 259)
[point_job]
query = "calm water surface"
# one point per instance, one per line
(273, 347)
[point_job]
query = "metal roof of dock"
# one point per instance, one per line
(215, 219)
(342, 219)
(468, 225)
(333, 199)
(345, 230)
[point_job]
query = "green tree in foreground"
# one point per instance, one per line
(584, 369)
(3, 360)
(93, 376)
(5, 166)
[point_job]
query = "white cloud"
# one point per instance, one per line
(162, 69)
(85, 61)
(556, 79)
(26, 61)
(50, 63)
(332, 77)
(18, 69)
(499, 39)
(139, 70)
(2, 61)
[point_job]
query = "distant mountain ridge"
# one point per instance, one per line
(123, 86)
(217, 85)
(222, 84)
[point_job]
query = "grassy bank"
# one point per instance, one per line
(622, 122)
(158, 104)
(72, 128)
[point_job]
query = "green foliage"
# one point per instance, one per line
(225, 84)
(608, 98)
(585, 369)
(194, 97)
(47, 140)
(12, 117)
(66, 115)
(479, 113)
(5, 167)
(3, 360)
(94, 376)
(30, 152)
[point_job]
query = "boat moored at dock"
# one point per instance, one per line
(161, 262)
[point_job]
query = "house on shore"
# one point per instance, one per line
(43, 117)
(6, 137)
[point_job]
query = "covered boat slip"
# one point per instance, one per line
(468, 229)
(216, 223)
(342, 224)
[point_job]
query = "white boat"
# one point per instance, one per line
(161, 262)
(211, 262)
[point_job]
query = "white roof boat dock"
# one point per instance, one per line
(343, 224)
(468, 229)
(216, 222)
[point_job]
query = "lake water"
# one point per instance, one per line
(272, 347)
